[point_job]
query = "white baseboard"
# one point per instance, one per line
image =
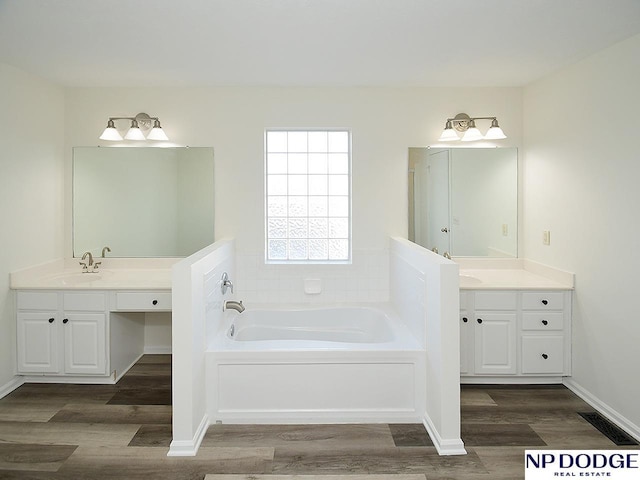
(162, 350)
(189, 448)
(453, 446)
(10, 386)
(610, 413)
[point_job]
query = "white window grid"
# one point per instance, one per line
(308, 196)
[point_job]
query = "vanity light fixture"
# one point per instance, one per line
(140, 124)
(466, 125)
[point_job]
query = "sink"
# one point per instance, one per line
(468, 280)
(75, 278)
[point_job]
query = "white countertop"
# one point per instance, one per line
(115, 276)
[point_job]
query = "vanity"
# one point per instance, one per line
(86, 327)
(515, 322)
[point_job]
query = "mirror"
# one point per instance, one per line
(464, 201)
(142, 201)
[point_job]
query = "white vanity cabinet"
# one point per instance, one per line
(514, 334)
(62, 333)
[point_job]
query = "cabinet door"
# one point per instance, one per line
(85, 343)
(465, 345)
(38, 342)
(495, 343)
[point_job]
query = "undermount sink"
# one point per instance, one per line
(467, 280)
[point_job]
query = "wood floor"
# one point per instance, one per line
(122, 431)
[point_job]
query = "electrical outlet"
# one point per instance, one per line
(546, 237)
(505, 229)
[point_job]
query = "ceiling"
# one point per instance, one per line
(307, 42)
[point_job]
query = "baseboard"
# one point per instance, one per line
(444, 447)
(189, 448)
(611, 414)
(118, 375)
(161, 350)
(10, 386)
(505, 380)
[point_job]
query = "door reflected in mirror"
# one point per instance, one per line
(142, 201)
(464, 201)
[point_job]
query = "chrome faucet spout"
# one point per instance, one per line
(233, 305)
(85, 268)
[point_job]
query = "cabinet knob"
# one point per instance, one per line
(51, 320)
(545, 356)
(465, 319)
(65, 320)
(479, 320)
(545, 322)
(545, 302)
(155, 302)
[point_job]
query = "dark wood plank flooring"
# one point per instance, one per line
(54, 432)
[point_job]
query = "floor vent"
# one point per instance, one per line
(608, 429)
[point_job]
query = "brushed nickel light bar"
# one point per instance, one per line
(467, 125)
(140, 124)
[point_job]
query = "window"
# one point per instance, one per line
(308, 200)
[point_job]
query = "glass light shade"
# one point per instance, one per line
(157, 133)
(495, 132)
(134, 132)
(449, 135)
(472, 133)
(110, 133)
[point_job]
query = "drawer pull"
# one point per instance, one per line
(545, 322)
(479, 320)
(465, 319)
(51, 320)
(545, 302)
(155, 302)
(65, 320)
(545, 356)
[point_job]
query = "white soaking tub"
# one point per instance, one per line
(355, 363)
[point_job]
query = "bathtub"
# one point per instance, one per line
(344, 364)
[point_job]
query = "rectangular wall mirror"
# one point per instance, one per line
(464, 201)
(142, 201)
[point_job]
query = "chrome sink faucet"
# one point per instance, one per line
(86, 265)
(233, 305)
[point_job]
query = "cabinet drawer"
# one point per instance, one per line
(93, 302)
(543, 354)
(495, 300)
(543, 301)
(542, 321)
(37, 301)
(143, 301)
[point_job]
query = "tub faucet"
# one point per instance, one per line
(233, 305)
(446, 255)
(85, 267)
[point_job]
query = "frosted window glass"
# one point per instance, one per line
(277, 184)
(339, 249)
(277, 228)
(338, 206)
(277, 163)
(318, 184)
(338, 228)
(298, 228)
(276, 141)
(277, 249)
(318, 141)
(297, 142)
(339, 142)
(298, 249)
(319, 249)
(318, 227)
(338, 185)
(297, 163)
(318, 163)
(297, 184)
(277, 206)
(318, 206)
(338, 163)
(297, 206)
(308, 196)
